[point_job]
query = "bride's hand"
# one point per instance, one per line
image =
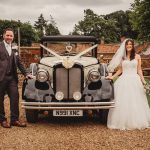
(109, 77)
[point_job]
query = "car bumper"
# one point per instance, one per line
(67, 106)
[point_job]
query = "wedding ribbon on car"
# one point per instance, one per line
(69, 62)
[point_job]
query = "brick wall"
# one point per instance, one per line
(29, 55)
(32, 54)
(108, 50)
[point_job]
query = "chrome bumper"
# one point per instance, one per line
(67, 106)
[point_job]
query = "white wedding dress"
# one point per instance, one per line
(131, 106)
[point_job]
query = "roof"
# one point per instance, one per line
(69, 38)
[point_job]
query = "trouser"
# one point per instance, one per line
(9, 85)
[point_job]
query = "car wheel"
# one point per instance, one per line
(103, 114)
(31, 115)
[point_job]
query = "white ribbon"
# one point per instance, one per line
(69, 62)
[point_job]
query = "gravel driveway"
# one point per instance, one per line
(70, 134)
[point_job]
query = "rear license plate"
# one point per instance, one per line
(67, 112)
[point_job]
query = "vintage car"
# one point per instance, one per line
(68, 80)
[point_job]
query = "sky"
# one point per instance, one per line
(66, 13)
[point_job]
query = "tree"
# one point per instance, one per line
(51, 27)
(9, 24)
(122, 23)
(86, 26)
(40, 25)
(46, 27)
(97, 26)
(27, 32)
(139, 18)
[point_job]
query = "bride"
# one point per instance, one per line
(131, 106)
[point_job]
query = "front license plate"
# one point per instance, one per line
(67, 112)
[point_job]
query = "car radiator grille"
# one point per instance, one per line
(68, 81)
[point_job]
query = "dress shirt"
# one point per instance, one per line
(8, 48)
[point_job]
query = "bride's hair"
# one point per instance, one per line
(132, 56)
(120, 55)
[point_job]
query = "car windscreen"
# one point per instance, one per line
(67, 48)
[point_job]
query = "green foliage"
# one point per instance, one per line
(27, 33)
(139, 17)
(40, 25)
(110, 27)
(95, 25)
(46, 27)
(9, 24)
(123, 25)
(89, 25)
(51, 28)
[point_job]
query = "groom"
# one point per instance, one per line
(9, 62)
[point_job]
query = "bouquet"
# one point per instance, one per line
(147, 88)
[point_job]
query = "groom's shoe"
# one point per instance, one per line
(5, 124)
(18, 123)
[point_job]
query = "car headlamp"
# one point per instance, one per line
(77, 95)
(42, 75)
(59, 95)
(94, 75)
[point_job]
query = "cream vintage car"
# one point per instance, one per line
(68, 81)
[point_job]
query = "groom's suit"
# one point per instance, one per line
(9, 81)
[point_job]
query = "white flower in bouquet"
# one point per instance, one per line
(147, 88)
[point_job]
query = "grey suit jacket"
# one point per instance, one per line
(4, 62)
